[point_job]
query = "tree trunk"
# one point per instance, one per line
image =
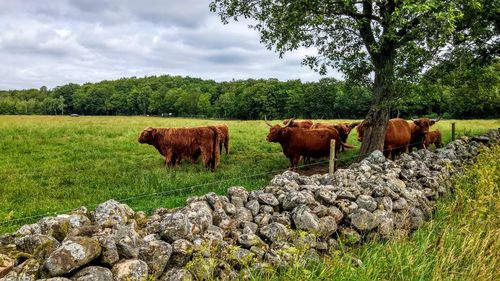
(378, 115)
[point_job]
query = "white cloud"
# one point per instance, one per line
(56, 42)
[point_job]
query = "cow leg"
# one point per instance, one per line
(226, 146)
(387, 152)
(295, 162)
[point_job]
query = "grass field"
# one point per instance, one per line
(50, 164)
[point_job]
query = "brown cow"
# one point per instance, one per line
(397, 136)
(306, 124)
(419, 129)
(176, 144)
(343, 129)
(433, 137)
(224, 137)
(297, 142)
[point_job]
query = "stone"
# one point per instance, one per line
(72, 254)
(363, 220)
(177, 274)
(93, 273)
(200, 216)
(336, 213)
(181, 252)
(326, 196)
(242, 214)
(304, 219)
(175, 226)
(127, 242)
(240, 194)
(253, 206)
(292, 200)
(155, 254)
(109, 254)
(274, 232)
(39, 245)
(130, 270)
(111, 213)
(327, 226)
(268, 199)
(249, 240)
(367, 202)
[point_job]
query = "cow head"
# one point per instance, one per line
(147, 135)
(276, 132)
(423, 124)
(361, 130)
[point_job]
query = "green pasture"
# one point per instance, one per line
(51, 164)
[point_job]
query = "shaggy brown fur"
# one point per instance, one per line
(224, 137)
(343, 129)
(306, 124)
(297, 142)
(176, 144)
(433, 137)
(397, 136)
(419, 130)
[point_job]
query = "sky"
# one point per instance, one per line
(55, 42)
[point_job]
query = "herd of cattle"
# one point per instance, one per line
(297, 138)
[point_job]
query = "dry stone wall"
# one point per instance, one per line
(224, 236)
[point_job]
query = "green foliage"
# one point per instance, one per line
(442, 91)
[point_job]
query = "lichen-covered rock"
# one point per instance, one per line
(127, 242)
(363, 220)
(111, 213)
(176, 226)
(28, 270)
(274, 232)
(73, 253)
(293, 199)
(93, 273)
(327, 226)
(249, 239)
(366, 202)
(304, 219)
(181, 252)
(156, 254)
(177, 274)
(238, 195)
(200, 216)
(130, 270)
(39, 245)
(268, 199)
(253, 206)
(109, 254)
(327, 196)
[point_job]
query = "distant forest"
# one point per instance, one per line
(462, 93)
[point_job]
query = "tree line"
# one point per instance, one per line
(462, 92)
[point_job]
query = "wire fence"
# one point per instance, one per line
(189, 189)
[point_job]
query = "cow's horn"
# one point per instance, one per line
(149, 129)
(354, 124)
(289, 122)
(267, 122)
(435, 120)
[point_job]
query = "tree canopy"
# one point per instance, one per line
(380, 43)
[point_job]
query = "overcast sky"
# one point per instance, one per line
(54, 42)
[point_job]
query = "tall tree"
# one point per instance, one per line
(374, 41)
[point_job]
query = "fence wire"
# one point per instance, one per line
(190, 188)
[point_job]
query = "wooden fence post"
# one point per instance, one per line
(332, 156)
(453, 131)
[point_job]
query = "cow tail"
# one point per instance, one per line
(215, 157)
